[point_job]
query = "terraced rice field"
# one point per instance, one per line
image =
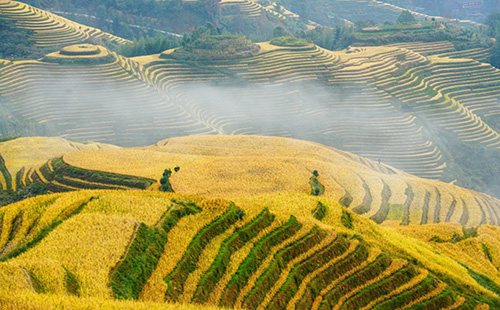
(377, 101)
(445, 49)
(17, 157)
(51, 29)
(479, 54)
(105, 102)
(476, 248)
(347, 115)
(451, 83)
(255, 167)
(246, 8)
(387, 7)
(429, 48)
(440, 89)
(210, 252)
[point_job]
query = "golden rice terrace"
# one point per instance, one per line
(229, 174)
(384, 103)
(104, 245)
(51, 29)
(246, 167)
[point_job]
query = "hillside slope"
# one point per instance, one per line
(243, 167)
(51, 29)
(155, 247)
(19, 156)
(386, 103)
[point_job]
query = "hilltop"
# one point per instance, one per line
(15, 160)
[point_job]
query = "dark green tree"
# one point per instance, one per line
(165, 181)
(279, 32)
(101, 16)
(406, 18)
(493, 23)
(317, 188)
(495, 54)
(365, 23)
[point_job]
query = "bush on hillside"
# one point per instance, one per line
(148, 46)
(215, 47)
(317, 188)
(406, 18)
(337, 38)
(289, 41)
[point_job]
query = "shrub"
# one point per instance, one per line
(215, 47)
(320, 211)
(289, 41)
(165, 182)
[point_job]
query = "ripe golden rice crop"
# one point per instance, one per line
(22, 301)
(186, 229)
(48, 271)
(490, 237)
(433, 293)
(444, 231)
(469, 251)
(242, 166)
(34, 151)
(145, 209)
(395, 265)
(88, 245)
(410, 284)
(13, 278)
(203, 265)
(303, 285)
(427, 255)
(21, 214)
(371, 257)
(267, 261)
(284, 274)
(237, 258)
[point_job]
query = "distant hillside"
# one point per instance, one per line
(334, 11)
(391, 104)
(462, 9)
(141, 18)
(155, 248)
(50, 29)
(135, 19)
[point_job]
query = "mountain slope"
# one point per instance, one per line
(240, 167)
(386, 103)
(51, 29)
(19, 156)
(104, 244)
